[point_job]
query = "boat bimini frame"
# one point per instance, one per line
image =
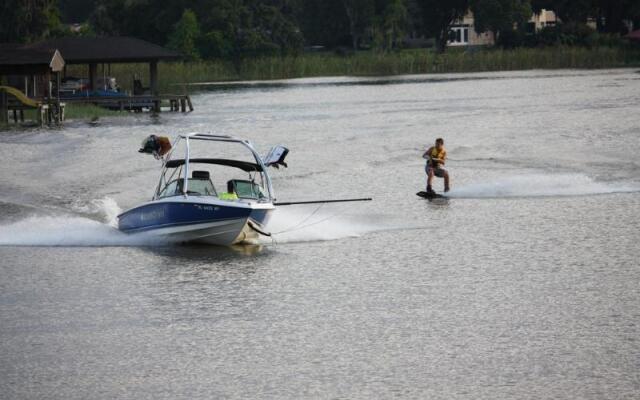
(181, 167)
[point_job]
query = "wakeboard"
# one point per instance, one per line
(432, 195)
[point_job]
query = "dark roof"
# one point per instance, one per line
(243, 165)
(83, 50)
(16, 59)
(18, 54)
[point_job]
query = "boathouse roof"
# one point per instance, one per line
(16, 58)
(87, 50)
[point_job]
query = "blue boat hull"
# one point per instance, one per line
(195, 222)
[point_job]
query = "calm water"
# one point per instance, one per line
(524, 285)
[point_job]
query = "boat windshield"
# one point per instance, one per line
(247, 189)
(196, 187)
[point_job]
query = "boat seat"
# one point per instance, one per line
(200, 175)
(199, 185)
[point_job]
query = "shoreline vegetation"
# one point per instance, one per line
(184, 77)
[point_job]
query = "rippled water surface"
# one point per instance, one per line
(524, 285)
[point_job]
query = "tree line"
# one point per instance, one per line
(236, 29)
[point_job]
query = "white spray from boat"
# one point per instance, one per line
(541, 185)
(99, 227)
(73, 230)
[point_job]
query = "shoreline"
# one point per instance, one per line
(196, 76)
(348, 79)
(405, 62)
(179, 77)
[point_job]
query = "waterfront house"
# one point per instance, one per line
(463, 32)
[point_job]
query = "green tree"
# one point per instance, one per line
(215, 44)
(634, 15)
(395, 22)
(277, 27)
(613, 13)
(28, 20)
(75, 11)
(415, 20)
(360, 14)
(437, 17)
(500, 16)
(324, 22)
(108, 16)
(185, 35)
(151, 20)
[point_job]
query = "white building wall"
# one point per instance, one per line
(466, 35)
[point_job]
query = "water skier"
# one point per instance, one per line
(436, 156)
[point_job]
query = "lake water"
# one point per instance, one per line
(526, 284)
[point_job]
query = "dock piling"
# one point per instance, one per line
(189, 102)
(4, 108)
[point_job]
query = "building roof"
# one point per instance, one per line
(16, 54)
(85, 50)
(18, 58)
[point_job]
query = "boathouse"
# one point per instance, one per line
(29, 68)
(93, 51)
(37, 69)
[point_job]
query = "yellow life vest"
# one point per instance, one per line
(435, 153)
(228, 196)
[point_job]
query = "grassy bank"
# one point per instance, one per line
(88, 111)
(173, 75)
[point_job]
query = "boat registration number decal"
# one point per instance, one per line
(205, 208)
(152, 215)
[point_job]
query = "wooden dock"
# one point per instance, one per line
(175, 102)
(52, 111)
(46, 114)
(12, 100)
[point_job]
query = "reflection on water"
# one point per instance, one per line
(201, 252)
(374, 81)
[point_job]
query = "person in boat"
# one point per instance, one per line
(230, 194)
(436, 156)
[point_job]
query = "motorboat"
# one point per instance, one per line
(204, 199)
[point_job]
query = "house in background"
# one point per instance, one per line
(542, 20)
(463, 32)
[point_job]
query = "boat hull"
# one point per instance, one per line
(196, 222)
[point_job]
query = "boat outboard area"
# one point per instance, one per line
(212, 189)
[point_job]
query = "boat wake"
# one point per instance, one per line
(106, 209)
(95, 226)
(542, 185)
(306, 224)
(68, 231)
